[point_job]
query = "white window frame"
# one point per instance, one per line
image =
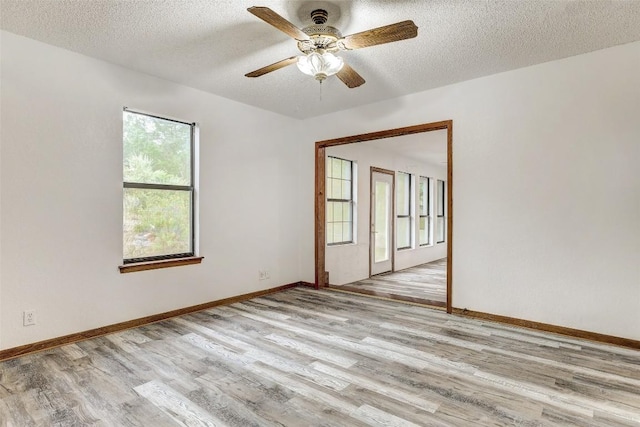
(424, 187)
(350, 202)
(400, 210)
(441, 209)
(189, 188)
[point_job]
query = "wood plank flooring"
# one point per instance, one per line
(306, 357)
(425, 284)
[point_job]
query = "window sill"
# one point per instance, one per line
(165, 263)
(337, 245)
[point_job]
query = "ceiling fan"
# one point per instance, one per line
(319, 42)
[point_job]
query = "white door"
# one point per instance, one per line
(381, 242)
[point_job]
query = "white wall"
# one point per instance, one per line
(546, 188)
(349, 263)
(546, 191)
(61, 174)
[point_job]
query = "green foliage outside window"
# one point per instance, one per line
(157, 153)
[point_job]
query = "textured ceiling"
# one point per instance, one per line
(210, 45)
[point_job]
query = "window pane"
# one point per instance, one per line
(339, 223)
(337, 189)
(156, 222)
(336, 168)
(403, 238)
(403, 197)
(337, 232)
(423, 206)
(423, 232)
(156, 151)
(440, 229)
(346, 211)
(346, 232)
(329, 233)
(346, 169)
(346, 189)
(329, 189)
(337, 211)
(440, 203)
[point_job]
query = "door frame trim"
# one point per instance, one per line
(320, 201)
(392, 248)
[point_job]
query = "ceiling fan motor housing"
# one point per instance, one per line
(323, 37)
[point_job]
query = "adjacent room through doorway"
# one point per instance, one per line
(386, 227)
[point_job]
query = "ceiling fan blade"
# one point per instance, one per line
(350, 77)
(273, 67)
(272, 18)
(389, 33)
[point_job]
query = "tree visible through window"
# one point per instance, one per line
(158, 188)
(339, 191)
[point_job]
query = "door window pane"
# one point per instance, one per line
(381, 221)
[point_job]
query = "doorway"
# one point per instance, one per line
(381, 211)
(322, 278)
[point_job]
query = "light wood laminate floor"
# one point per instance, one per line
(304, 357)
(425, 284)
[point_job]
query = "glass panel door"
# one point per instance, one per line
(381, 221)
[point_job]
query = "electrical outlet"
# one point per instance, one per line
(263, 274)
(28, 317)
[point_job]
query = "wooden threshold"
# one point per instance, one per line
(419, 303)
(576, 333)
(23, 350)
(388, 295)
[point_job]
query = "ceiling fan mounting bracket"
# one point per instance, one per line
(319, 16)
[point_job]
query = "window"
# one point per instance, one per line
(158, 192)
(440, 224)
(340, 200)
(403, 207)
(424, 212)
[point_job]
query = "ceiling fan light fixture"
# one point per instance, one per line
(320, 64)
